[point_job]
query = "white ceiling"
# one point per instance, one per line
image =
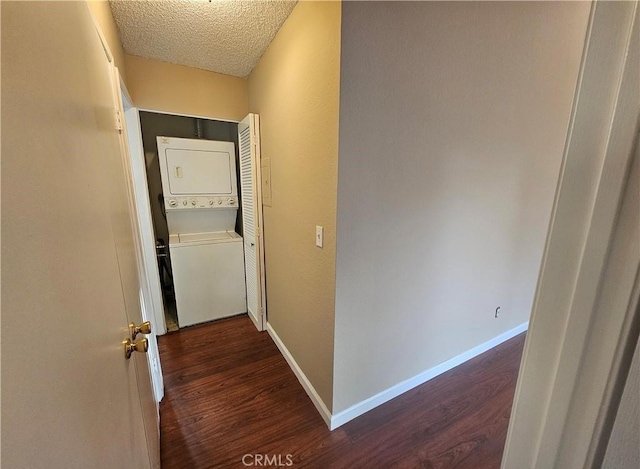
(224, 36)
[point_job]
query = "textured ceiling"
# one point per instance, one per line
(224, 36)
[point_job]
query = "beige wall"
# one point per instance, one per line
(102, 14)
(68, 252)
(295, 89)
(161, 86)
(453, 118)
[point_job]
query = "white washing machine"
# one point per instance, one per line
(201, 200)
(208, 276)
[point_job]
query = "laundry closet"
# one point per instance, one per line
(195, 187)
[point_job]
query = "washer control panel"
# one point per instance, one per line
(186, 203)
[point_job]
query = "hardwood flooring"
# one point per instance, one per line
(229, 393)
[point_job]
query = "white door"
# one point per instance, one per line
(70, 398)
(151, 291)
(251, 186)
(136, 289)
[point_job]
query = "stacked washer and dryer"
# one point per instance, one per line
(200, 192)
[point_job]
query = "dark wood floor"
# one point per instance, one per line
(229, 392)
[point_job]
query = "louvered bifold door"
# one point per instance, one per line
(249, 144)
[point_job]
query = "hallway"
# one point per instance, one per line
(229, 393)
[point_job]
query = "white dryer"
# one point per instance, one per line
(199, 184)
(201, 201)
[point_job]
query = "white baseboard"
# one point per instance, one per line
(306, 384)
(335, 421)
(374, 401)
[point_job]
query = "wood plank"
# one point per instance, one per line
(229, 392)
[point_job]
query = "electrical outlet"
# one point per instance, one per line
(497, 312)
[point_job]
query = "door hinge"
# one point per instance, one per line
(119, 121)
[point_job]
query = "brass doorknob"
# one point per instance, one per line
(140, 346)
(144, 328)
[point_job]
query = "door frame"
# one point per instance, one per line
(151, 290)
(193, 116)
(132, 117)
(150, 309)
(139, 178)
(549, 425)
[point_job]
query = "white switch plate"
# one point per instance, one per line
(319, 236)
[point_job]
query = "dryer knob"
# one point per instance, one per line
(210, 201)
(219, 201)
(173, 203)
(232, 201)
(193, 202)
(184, 202)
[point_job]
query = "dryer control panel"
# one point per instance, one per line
(199, 202)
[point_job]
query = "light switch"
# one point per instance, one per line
(319, 236)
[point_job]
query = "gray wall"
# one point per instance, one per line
(623, 451)
(453, 118)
